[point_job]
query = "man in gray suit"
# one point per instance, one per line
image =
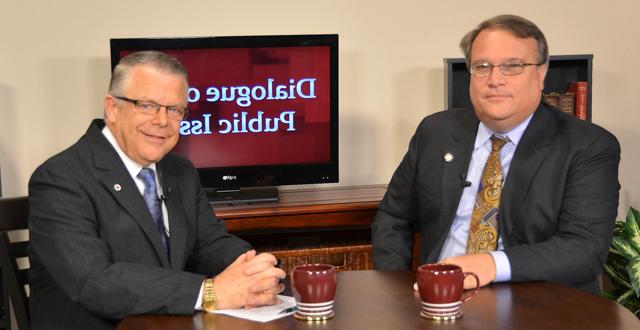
(120, 226)
(511, 189)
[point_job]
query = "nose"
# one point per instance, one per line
(495, 77)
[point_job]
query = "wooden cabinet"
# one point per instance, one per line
(327, 225)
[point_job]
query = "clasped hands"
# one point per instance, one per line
(250, 281)
(481, 264)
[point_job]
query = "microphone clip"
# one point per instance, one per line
(464, 182)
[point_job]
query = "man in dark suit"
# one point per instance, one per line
(120, 226)
(510, 190)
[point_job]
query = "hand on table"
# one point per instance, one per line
(481, 264)
(251, 280)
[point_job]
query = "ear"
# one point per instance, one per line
(110, 109)
(542, 73)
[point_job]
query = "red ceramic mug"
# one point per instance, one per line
(314, 288)
(441, 287)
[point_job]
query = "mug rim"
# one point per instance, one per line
(444, 267)
(313, 268)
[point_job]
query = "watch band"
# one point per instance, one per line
(209, 299)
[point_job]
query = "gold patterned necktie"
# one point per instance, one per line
(483, 232)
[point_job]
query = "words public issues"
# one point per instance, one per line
(244, 96)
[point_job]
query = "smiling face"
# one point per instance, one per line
(502, 102)
(146, 138)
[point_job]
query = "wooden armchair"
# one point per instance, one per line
(14, 215)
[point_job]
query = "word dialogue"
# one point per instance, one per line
(244, 96)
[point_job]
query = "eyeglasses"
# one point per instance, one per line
(482, 69)
(151, 108)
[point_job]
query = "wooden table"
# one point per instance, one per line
(385, 300)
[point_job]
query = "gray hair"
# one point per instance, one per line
(157, 59)
(518, 26)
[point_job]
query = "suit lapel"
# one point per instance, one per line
(177, 221)
(114, 177)
(460, 146)
(528, 157)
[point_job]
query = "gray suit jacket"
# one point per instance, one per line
(95, 253)
(558, 206)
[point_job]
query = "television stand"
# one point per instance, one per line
(218, 197)
(326, 224)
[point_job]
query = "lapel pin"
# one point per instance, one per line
(448, 157)
(117, 187)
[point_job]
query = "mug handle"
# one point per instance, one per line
(467, 298)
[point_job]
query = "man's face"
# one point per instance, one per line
(146, 138)
(502, 102)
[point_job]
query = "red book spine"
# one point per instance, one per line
(580, 89)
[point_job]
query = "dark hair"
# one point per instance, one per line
(518, 26)
(157, 59)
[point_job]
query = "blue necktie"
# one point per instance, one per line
(153, 203)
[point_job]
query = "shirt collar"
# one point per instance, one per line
(514, 135)
(132, 167)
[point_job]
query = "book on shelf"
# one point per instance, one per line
(552, 100)
(563, 102)
(566, 103)
(579, 88)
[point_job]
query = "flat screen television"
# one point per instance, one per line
(263, 110)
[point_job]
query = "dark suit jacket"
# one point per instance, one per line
(95, 253)
(558, 206)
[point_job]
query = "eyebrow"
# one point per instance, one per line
(168, 105)
(511, 59)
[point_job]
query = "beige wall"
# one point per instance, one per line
(54, 66)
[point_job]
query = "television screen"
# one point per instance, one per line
(263, 110)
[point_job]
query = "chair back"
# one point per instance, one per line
(14, 215)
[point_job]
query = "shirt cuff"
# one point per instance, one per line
(503, 267)
(198, 306)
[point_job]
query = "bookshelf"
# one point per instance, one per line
(562, 70)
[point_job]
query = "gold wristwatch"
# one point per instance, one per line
(209, 299)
